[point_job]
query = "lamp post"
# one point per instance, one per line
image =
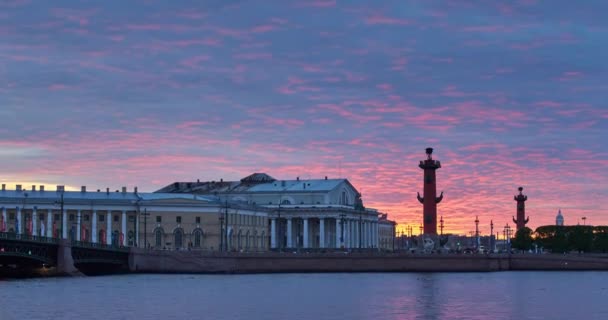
(491, 236)
(394, 234)
(60, 203)
(477, 232)
(342, 216)
(360, 232)
(145, 215)
(221, 248)
(584, 220)
(226, 216)
(441, 226)
(279, 237)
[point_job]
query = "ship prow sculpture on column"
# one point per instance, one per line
(430, 199)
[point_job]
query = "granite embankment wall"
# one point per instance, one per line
(203, 262)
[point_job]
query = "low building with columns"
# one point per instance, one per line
(304, 214)
(154, 220)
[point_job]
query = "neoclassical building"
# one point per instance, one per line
(307, 214)
(154, 220)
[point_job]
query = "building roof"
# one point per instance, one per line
(255, 183)
(26, 195)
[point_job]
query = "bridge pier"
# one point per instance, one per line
(65, 261)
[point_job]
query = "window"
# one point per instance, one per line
(198, 219)
(178, 238)
(131, 218)
(158, 238)
(131, 238)
(115, 218)
(158, 219)
(56, 218)
(86, 217)
(71, 217)
(198, 234)
(102, 217)
(41, 217)
(178, 219)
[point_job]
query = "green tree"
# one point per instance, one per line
(580, 238)
(523, 239)
(600, 239)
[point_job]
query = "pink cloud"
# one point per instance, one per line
(379, 19)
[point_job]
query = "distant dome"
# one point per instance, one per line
(559, 220)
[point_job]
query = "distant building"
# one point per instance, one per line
(386, 233)
(308, 214)
(559, 220)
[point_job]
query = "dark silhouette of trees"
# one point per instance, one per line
(562, 239)
(523, 239)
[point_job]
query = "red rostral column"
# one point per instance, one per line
(521, 210)
(430, 199)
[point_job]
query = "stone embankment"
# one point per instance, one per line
(145, 261)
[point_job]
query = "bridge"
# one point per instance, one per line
(62, 256)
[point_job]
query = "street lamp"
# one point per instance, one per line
(492, 236)
(360, 232)
(221, 232)
(145, 215)
(584, 219)
(60, 202)
(342, 216)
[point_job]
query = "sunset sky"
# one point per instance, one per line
(145, 93)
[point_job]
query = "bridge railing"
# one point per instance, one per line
(84, 244)
(27, 237)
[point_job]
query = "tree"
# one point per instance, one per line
(581, 238)
(523, 239)
(600, 239)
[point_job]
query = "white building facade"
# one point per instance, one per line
(304, 214)
(121, 218)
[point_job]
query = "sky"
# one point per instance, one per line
(144, 93)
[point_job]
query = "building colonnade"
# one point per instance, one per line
(326, 232)
(104, 226)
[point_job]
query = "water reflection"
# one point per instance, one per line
(505, 295)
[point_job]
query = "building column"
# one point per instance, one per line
(369, 234)
(3, 226)
(356, 233)
(364, 234)
(137, 230)
(94, 227)
(306, 243)
(35, 222)
(64, 224)
(346, 237)
(19, 227)
(78, 226)
(289, 235)
(353, 232)
(273, 233)
(321, 233)
(338, 233)
(124, 229)
(49, 223)
(109, 227)
(376, 237)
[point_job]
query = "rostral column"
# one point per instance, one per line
(430, 199)
(521, 210)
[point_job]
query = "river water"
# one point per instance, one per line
(500, 295)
